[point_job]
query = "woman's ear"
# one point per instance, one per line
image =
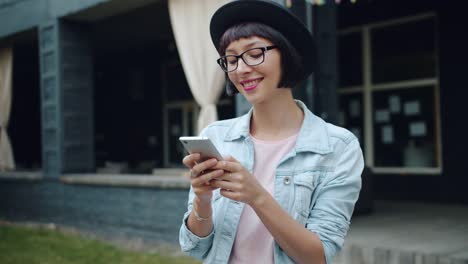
(230, 88)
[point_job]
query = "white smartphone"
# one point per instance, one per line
(202, 145)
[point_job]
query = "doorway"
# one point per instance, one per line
(25, 120)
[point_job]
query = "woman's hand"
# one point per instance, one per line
(201, 173)
(237, 183)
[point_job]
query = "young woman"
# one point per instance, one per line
(286, 190)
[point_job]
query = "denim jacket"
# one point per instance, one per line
(317, 183)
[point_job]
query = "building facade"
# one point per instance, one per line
(99, 82)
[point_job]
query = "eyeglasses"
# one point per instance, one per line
(251, 57)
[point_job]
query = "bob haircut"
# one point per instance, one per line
(292, 71)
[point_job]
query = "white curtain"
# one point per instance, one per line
(6, 153)
(190, 23)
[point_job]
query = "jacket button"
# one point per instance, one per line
(287, 181)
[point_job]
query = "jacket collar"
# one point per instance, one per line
(313, 135)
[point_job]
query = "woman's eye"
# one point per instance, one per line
(232, 61)
(255, 54)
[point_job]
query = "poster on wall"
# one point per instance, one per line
(354, 108)
(382, 116)
(341, 118)
(412, 108)
(387, 134)
(394, 103)
(417, 129)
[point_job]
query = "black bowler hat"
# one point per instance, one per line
(271, 14)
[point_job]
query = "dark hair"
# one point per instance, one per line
(292, 71)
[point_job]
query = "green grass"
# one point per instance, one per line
(25, 245)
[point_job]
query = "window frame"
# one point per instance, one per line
(367, 88)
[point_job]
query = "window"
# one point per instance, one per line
(389, 93)
(350, 60)
(403, 51)
(403, 127)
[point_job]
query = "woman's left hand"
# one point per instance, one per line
(237, 183)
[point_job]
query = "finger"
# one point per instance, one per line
(202, 166)
(191, 159)
(204, 189)
(226, 185)
(228, 166)
(202, 179)
(229, 194)
(227, 176)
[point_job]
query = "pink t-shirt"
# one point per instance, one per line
(254, 243)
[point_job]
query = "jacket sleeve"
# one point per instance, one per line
(193, 245)
(330, 217)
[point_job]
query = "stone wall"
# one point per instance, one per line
(149, 214)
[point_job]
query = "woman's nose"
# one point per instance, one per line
(242, 66)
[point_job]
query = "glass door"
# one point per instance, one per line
(179, 120)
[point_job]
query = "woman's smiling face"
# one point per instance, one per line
(258, 82)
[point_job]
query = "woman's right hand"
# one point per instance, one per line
(201, 175)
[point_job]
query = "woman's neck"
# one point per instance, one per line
(276, 119)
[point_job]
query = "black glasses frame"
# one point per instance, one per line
(240, 56)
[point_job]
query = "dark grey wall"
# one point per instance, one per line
(453, 58)
(20, 15)
(66, 59)
(153, 215)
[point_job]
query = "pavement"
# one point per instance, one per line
(408, 233)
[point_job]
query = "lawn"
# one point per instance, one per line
(26, 245)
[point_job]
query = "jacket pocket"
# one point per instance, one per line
(304, 186)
